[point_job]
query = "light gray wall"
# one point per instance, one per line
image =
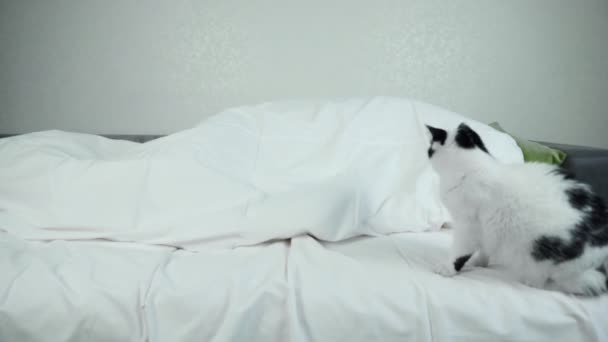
(540, 67)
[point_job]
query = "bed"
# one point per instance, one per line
(102, 274)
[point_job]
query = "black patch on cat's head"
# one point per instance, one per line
(468, 138)
(460, 261)
(438, 135)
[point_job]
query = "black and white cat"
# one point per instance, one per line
(533, 220)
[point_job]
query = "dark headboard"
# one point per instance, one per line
(589, 165)
(140, 138)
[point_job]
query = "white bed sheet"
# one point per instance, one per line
(75, 291)
(297, 290)
(383, 289)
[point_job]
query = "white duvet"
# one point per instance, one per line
(252, 174)
(248, 175)
(249, 227)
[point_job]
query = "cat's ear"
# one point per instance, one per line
(438, 135)
(467, 138)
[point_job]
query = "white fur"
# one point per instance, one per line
(499, 210)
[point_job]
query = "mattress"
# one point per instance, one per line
(363, 289)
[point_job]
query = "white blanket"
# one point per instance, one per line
(368, 289)
(247, 176)
(333, 170)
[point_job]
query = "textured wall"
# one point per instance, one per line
(539, 67)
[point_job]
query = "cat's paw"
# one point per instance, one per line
(595, 283)
(589, 283)
(446, 270)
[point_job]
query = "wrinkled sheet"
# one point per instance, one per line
(248, 175)
(334, 169)
(364, 289)
(207, 235)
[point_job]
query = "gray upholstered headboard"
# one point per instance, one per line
(140, 138)
(588, 164)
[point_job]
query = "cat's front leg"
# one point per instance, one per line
(479, 259)
(464, 244)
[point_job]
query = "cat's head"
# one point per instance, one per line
(459, 147)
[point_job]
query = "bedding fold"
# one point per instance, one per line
(248, 175)
(303, 289)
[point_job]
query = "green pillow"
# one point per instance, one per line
(535, 152)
